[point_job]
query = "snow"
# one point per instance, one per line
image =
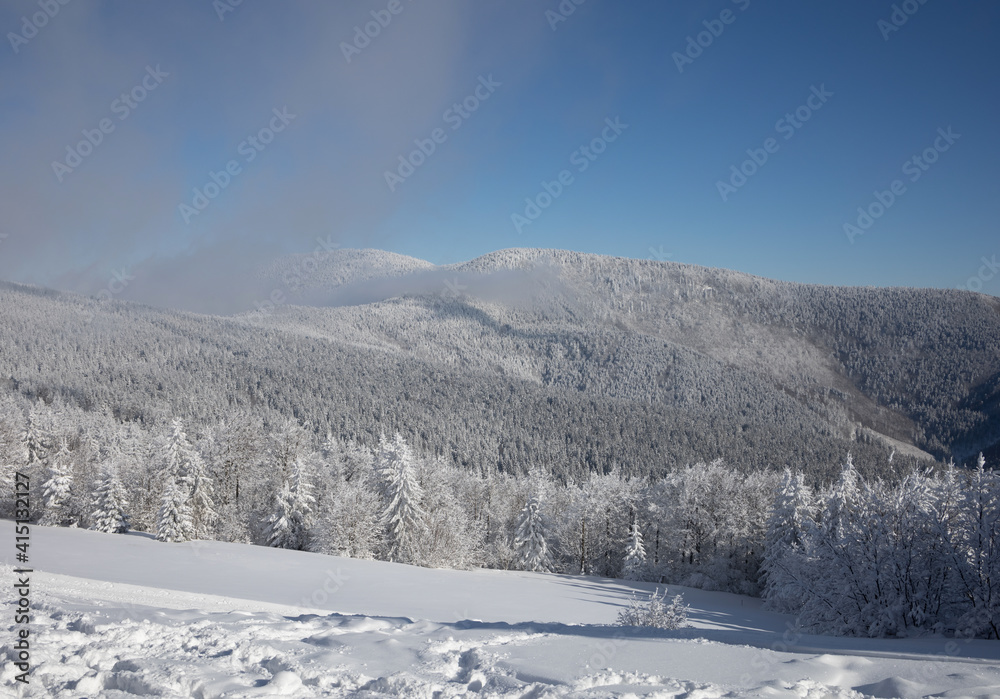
(125, 615)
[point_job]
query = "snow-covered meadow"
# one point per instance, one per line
(118, 616)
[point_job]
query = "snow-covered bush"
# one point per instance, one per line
(656, 612)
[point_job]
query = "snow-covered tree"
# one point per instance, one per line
(450, 536)
(174, 521)
(403, 513)
(635, 554)
(529, 539)
(35, 438)
(791, 521)
(203, 513)
(841, 503)
(57, 490)
(288, 525)
(187, 494)
(110, 513)
(978, 563)
(351, 522)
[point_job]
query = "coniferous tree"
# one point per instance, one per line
(110, 513)
(203, 515)
(403, 513)
(186, 508)
(57, 490)
(288, 525)
(529, 539)
(635, 554)
(35, 439)
(174, 521)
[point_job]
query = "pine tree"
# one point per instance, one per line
(288, 525)
(110, 513)
(402, 514)
(57, 490)
(635, 554)
(529, 540)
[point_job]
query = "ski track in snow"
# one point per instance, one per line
(243, 654)
(106, 638)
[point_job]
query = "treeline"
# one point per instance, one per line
(866, 557)
(872, 558)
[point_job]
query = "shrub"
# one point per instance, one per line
(656, 612)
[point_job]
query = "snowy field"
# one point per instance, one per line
(121, 616)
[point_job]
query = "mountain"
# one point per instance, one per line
(329, 269)
(525, 357)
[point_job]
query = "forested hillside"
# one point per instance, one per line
(529, 358)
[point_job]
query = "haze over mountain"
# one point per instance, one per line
(542, 358)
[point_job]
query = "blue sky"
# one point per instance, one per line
(217, 75)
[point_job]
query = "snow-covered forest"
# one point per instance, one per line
(618, 421)
(528, 359)
(855, 556)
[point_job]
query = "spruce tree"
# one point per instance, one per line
(110, 505)
(200, 486)
(635, 554)
(186, 508)
(174, 521)
(34, 439)
(529, 540)
(288, 525)
(57, 490)
(402, 513)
